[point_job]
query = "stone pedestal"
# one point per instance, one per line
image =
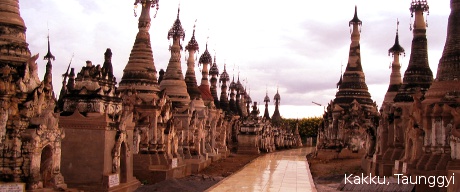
(215, 156)
(248, 144)
(385, 169)
(150, 171)
(87, 158)
(366, 164)
(196, 165)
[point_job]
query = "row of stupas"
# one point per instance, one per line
(415, 132)
(151, 127)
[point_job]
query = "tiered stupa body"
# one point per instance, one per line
(190, 78)
(418, 74)
(205, 60)
(223, 80)
(140, 72)
(214, 73)
(173, 81)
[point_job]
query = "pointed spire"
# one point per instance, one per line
(340, 80)
(355, 19)
(64, 87)
(224, 76)
(192, 44)
(48, 79)
(48, 55)
(396, 49)
(214, 70)
(277, 96)
(205, 57)
(177, 30)
(266, 98)
(356, 27)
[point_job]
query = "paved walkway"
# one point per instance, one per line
(279, 171)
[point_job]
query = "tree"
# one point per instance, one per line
(308, 127)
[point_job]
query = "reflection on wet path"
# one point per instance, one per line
(279, 171)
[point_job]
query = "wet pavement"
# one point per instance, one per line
(279, 171)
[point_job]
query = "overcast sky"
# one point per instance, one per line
(295, 45)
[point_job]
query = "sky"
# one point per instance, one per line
(295, 46)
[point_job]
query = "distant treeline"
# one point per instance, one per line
(308, 127)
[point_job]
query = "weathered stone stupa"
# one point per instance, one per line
(30, 136)
(353, 86)
(395, 78)
(350, 118)
(173, 81)
(205, 60)
(266, 100)
(383, 161)
(418, 74)
(232, 103)
(214, 73)
(276, 117)
(223, 80)
(190, 78)
(140, 72)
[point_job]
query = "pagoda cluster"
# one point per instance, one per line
(415, 131)
(151, 127)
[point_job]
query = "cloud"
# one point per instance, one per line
(297, 46)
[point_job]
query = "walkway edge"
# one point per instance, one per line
(218, 183)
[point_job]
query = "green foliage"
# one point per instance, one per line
(308, 127)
